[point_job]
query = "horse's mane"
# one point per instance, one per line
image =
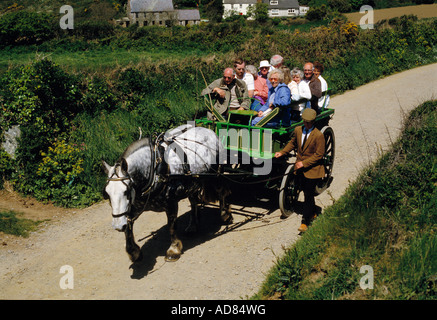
(133, 147)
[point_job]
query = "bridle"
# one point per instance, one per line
(147, 188)
(128, 190)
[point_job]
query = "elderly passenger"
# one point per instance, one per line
(318, 70)
(299, 90)
(261, 91)
(279, 97)
(228, 93)
(314, 84)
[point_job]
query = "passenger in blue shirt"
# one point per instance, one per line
(279, 97)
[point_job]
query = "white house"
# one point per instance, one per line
(283, 8)
(238, 7)
(303, 10)
(277, 8)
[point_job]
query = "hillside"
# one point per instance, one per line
(386, 222)
(83, 9)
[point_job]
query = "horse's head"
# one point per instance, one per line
(120, 192)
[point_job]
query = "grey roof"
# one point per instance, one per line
(188, 14)
(239, 1)
(283, 4)
(151, 5)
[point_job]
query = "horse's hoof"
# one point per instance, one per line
(172, 258)
(174, 252)
(136, 256)
(227, 219)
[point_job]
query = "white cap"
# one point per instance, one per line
(264, 63)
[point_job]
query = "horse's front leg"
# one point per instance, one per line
(132, 249)
(194, 219)
(175, 250)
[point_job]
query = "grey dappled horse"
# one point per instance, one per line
(146, 178)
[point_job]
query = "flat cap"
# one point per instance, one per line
(309, 114)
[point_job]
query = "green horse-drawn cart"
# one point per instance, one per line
(251, 149)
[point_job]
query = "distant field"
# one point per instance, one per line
(91, 60)
(422, 11)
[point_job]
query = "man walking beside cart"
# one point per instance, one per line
(310, 145)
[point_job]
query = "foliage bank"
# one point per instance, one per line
(387, 220)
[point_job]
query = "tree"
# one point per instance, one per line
(214, 10)
(261, 12)
(316, 13)
(340, 5)
(186, 3)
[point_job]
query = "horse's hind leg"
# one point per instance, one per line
(175, 250)
(132, 249)
(225, 212)
(225, 207)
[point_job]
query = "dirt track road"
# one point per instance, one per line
(218, 263)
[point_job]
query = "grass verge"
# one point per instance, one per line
(11, 223)
(386, 221)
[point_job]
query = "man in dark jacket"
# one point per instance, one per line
(314, 84)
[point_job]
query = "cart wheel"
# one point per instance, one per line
(289, 192)
(328, 159)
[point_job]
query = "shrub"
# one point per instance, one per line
(97, 95)
(6, 167)
(60, 176)
(316, 13)
(40, 93)
(133, 85)
(26, 27)
(61, 165)
(94, 29)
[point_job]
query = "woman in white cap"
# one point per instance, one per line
(264, 68)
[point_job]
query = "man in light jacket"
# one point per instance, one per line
(228, 93)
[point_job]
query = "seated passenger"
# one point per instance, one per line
(261, 91)
(287, 75)
(241, 74)
(314, 84)
(279, 97)
(228, 93)
(299, 90)
(318, 70)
